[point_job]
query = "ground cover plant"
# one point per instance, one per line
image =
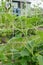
(21, 40)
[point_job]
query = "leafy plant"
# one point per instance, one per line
(21, 41)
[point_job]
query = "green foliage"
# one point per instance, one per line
(21, 42)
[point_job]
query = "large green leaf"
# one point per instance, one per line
(40, 59)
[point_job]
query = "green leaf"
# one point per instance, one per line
(23, 61)
(24, 53)
(40, 59)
